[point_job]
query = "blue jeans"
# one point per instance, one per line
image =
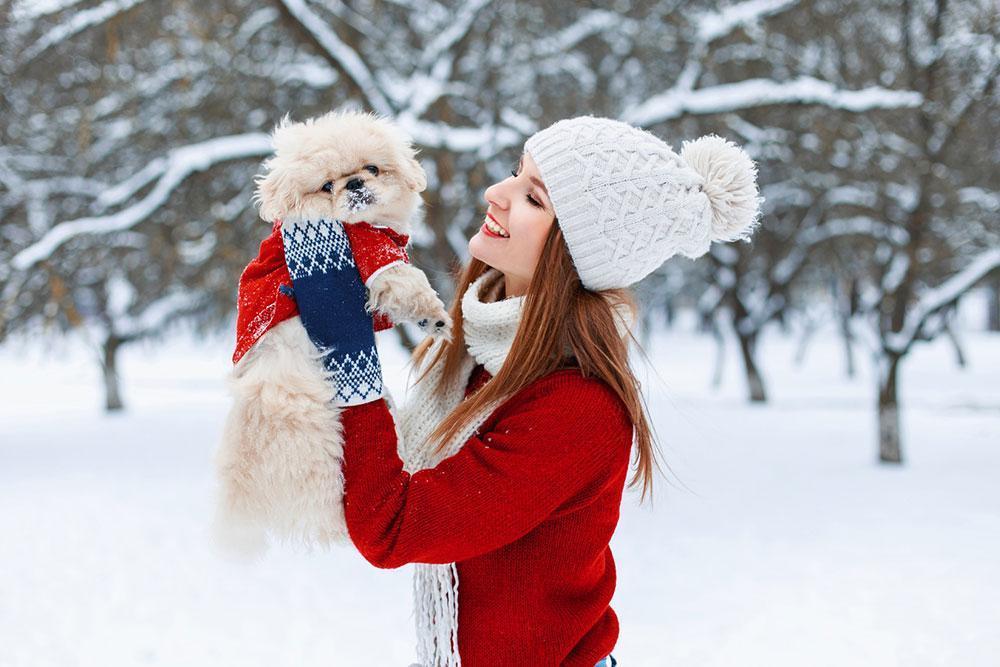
(607, 662)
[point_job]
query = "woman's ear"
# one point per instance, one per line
(413, 175)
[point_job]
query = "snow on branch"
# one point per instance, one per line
(766, 92)
(941, 297)
(122, 191)
(422, 89)
(811, 237)
(26, 10)
(713, 25)
(860, 225)
(154, 317)
(710, 299)
(589, 23)
(456, 31)
(430, 80)
(179, 164)
(487, 140)
(63, 185)
(985, 199)
(341, 53)
(77, 24)
(253, 24)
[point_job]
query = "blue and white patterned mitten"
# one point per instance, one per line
(331, 300)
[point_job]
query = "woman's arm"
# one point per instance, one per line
(551, 441)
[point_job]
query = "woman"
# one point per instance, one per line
(507, 470)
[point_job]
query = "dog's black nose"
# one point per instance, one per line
(355, 184)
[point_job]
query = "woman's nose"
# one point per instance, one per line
(494, 196)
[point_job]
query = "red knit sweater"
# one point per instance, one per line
(525, 509)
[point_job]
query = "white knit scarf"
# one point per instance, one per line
(489, 328)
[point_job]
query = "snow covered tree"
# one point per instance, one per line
(930, 250)
(112, 145)
(801, 86)
(136, 127)
(898, 194)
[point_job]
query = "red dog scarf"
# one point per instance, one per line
(265, 296)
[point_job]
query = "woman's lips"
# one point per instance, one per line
(494, 233)
(489, 232)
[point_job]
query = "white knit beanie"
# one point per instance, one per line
(626, 202)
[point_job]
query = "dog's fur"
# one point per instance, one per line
(280, 460)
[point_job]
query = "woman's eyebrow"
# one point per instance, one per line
(534, 179)
(538, 182)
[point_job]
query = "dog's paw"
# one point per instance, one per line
(371, 303)
(437, 325)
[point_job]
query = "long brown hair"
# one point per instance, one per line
(559, 314)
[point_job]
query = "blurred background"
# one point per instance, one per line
(826, 396)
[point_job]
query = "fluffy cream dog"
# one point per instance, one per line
(280, 458)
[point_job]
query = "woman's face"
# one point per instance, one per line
(520, 213)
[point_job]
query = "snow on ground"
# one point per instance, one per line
(777, 541)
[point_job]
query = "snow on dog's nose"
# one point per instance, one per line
(359, 197)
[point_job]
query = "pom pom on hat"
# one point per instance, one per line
(730, 183)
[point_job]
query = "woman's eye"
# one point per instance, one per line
(533, 202)
(328, 186)
(372, 169)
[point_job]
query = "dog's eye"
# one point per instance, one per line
(328, 186)
(372, 169)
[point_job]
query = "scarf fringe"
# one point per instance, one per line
(436, 598)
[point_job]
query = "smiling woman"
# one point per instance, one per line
(505, 467)
(518, 219)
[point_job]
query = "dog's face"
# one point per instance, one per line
(348, 166)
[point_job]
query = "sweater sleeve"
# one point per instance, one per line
(553, 440)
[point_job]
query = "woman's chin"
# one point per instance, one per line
(479, 247)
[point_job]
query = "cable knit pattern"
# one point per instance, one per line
(626, 202)
(520, 507)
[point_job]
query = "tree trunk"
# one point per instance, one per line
(845, 312)
(720, 355)
(993, 304)
(807, 334)
(707, 322)
(645, 332)
(755, 383)
(956, 344)
(848, 339)
(782, 318)
(109, 365)
(888, 410)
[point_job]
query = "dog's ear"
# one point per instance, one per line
(413, 174)
(275, 195)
